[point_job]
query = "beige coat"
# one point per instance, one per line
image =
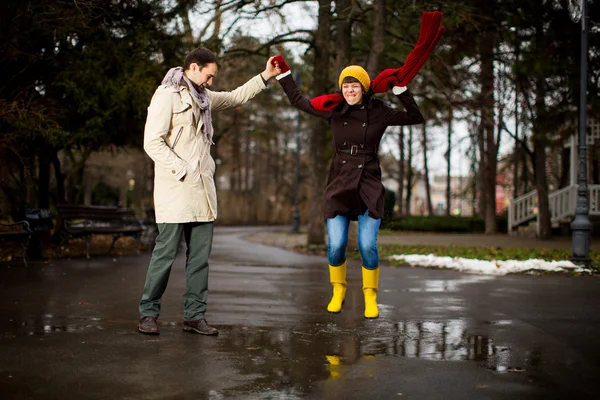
(174, 139)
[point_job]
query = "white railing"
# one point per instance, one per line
(594, 195)
(562, 204)
(522, 209)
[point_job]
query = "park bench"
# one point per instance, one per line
(16, 232)
(79, 221)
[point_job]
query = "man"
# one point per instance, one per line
(177, 136)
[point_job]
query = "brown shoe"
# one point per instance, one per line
(199, 326)
(148, 325)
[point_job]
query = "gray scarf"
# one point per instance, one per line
(173, 80)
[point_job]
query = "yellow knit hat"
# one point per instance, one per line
(359, 73)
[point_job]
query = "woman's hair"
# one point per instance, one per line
(200, 56)
(350, 79)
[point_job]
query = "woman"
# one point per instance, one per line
(354, 188)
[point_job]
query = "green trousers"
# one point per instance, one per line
(198, 238)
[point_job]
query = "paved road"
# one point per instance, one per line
(67, 330)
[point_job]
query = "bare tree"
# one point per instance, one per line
(410, 174)
(401, 167)
(517, 148)
(343, 24)
(424, 141)
(450, 117)
(184, 14)
(488, 146)
(539, 136)
(319, 127)
(378, 39)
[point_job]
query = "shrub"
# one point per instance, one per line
(443, 223)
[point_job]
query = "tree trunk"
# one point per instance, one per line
(401, 165)
(499, 128)
(236, 149)
(516, 157)
(378, 40)
(540, 140)
(246, 187)
(343, 9)
(517, 150)
(475, 182)
(409, 174)
(448, 164)
(489, 170)
(184, 14)
(426, 170)
(541, 185)
(44, 178)
(539, 151)
(87, 189)
(525, 175)
(319, 128)
(76, 186)
(60, 179)
(214, 43)
(480, 176)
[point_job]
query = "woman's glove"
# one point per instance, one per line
(279, 60)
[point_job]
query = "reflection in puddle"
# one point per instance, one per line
(288, 360)
(54, 324)
(448, 285)
(434, 340)
(448, 340)
(334, 366)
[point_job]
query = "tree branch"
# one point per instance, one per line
(521, 141)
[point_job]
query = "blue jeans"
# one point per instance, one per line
(337, 240)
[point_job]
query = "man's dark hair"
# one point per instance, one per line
(200, 56)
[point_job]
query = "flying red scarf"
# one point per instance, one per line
(430, 34)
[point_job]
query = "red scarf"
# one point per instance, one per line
(430, 34)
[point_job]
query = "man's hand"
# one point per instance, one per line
(279, 61)
(271, 70)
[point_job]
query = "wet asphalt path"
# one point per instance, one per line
(68, 331)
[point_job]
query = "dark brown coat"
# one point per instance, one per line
(354, 183)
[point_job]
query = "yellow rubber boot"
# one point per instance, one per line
(370, 287)
(337, 277)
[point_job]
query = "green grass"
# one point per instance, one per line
(480, 253)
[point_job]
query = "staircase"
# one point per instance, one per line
(562, 203)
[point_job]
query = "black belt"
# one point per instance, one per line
(355, 150)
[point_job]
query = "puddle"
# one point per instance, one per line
(287, 362)
(447, 340)
(50, 324)
(447, 285)
(322, 351)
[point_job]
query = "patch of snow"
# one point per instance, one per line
(493, 267)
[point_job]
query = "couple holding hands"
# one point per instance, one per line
(178, 135)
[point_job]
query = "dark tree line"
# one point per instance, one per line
(79, 76)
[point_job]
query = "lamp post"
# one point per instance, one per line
(581, 225)
(295, 211)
